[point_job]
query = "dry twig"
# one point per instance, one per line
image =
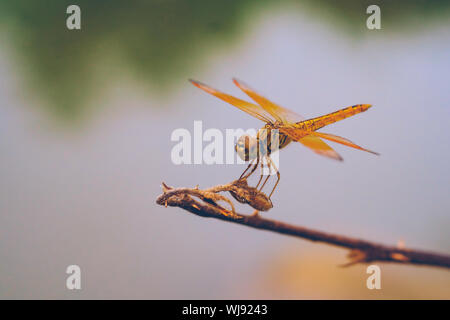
(204, 203)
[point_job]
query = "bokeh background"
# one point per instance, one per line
(85, 124)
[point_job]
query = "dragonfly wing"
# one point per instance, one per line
(312, 142)
(340, 140)
(279, 113)
(250, 108)
(320, 147)
(299, 134)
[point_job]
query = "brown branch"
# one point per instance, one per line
(361, 250)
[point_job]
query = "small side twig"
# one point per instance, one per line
(362, 251)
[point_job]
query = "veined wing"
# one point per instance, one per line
(312, 142)
(277, 112)
(298, 134)
(286, 116)
(341, 140)
(250, 108)
(320, 147)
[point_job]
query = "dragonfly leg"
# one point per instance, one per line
(261, 175)
(249, 165)
(278, 177)
(254, 164)
(270, 172)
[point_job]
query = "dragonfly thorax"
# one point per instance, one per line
(249, 147)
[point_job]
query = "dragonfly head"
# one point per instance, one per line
(247, 147)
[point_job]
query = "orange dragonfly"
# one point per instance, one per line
(290, 125)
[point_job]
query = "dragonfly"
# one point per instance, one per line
(290, 125)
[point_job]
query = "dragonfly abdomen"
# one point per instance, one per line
(322, 121)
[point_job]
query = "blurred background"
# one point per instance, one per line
(86, 118)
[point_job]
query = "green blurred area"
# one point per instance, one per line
(157, 41)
